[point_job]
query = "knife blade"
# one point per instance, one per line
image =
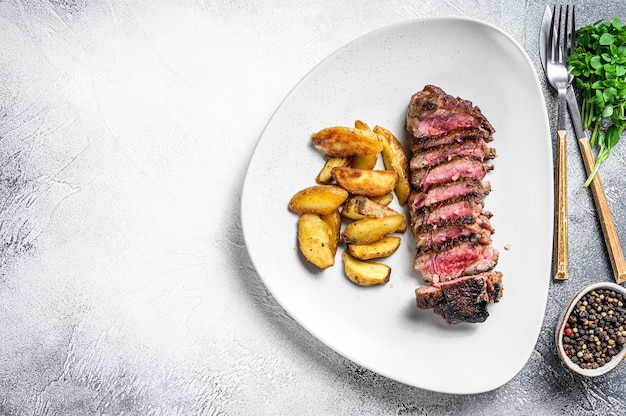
(574, 113)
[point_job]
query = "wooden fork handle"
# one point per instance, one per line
(606, 219)
(561, 262)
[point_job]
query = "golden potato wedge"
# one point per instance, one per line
(384, 247)
(394, 158)
(365, 273)
(365, 182)
(361, 125)
(368, 230)
(347, 141)
(318, 199)
(314, 240)
(324, 176)
(334, 223)
(365, 161)
(358, 207)
(382, 200)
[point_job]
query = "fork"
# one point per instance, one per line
(557, 52)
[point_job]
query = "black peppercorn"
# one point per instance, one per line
(595, 329)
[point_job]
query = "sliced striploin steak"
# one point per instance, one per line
(449, 160)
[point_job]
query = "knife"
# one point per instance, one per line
(606, 219)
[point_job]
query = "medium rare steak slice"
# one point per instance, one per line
(476, 148)
(432, 112)
(481, 219)
(462, 300)
(461, 207)
(437, 237)
(459, 167)
(452, 137)
(464, 258)
(422, 144)
(448, 190)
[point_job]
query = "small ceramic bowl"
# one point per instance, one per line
(615, 361)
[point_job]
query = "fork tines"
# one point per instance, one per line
(569, 34)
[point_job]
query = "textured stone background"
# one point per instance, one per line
(125, 285)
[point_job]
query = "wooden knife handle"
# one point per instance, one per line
(561, 263)
(606, 219)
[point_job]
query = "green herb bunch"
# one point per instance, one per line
(598, 65)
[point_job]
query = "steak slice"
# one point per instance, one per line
(462, 300)
(438, 237)
(458, 135)
(432, 112)
(464, 258)
(482, 219)
(429, 296)
(450, 170)
(476, 148)
(448, 190)
(465, 206)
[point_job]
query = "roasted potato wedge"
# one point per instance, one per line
(318, 199)
(368, 230)
(314, 240)
(334, 223)
(394, 158)
(347, 141)
(365, 273)
(358, 207)
(324, 176)
(384, 247)
(365, 182)
(364, 162)
(361, 125)
(382, 200)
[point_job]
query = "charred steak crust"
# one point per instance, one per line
(462, 300)
(449, 161)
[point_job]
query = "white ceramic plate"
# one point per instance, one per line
(380, 328)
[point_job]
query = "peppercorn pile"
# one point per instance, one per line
(595, 330)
